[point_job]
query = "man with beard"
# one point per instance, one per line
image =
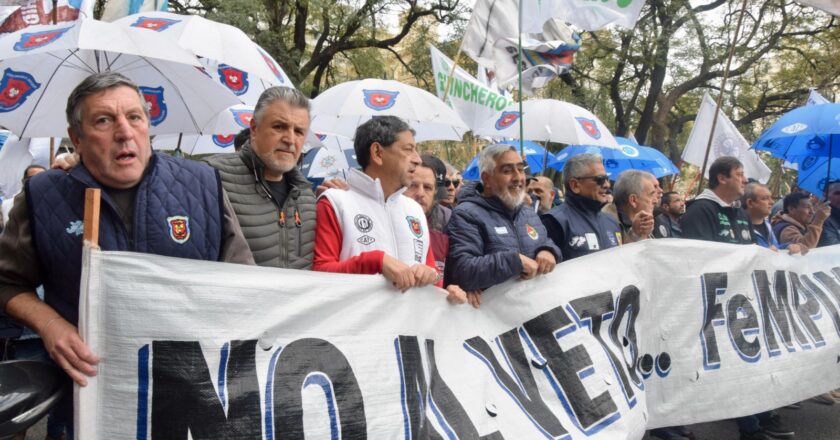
(492, 237)
(272, 199)
(425, 189)
(831, 227)
(668, 222)
(578, 227)
(372, 228)
(541, 191)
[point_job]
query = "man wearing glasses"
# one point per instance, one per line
(451, 183)
(578, 227)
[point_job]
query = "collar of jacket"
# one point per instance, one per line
(295, 178)
(789, 219)
(82, 174)
(708, 194)
(584, 204)
(371, 188)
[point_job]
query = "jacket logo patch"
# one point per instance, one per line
(663, 230)
(414, 224)
(76, 228)
(418, 250)
(577, 241)
(364, 224)
(745, 234)
(617, 241)
(179, 228)
(365, 239)
(532, 232)
(501, 230)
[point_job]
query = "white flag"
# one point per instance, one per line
(727, 141)
(814, 98)
(586, 14)
(830, 6)
(473, 101)
(18, 14)
(116, 9)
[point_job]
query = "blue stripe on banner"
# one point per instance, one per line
(269, 387)
(142, 391)
(222, 374)
(325, 383)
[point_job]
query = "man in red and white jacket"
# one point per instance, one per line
(372, 228)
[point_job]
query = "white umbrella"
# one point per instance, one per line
(17, 154)
(550, 120)
(42, 64)
(328, 156)
(344, 107)
(226, 126)
(221, 44)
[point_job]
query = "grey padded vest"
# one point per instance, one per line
(278, 237)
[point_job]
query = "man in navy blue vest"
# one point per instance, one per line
(151, 203)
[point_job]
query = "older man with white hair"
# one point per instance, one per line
(491, 237)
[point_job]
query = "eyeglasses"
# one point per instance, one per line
(599, 180)
(454, 182)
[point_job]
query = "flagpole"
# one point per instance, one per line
(720, 96)
(519, 73)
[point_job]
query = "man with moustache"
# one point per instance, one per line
(372, 227)
(668, 222)
(492, 236)
(578, 226)
(272, 199)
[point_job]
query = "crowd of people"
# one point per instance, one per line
(406, 216)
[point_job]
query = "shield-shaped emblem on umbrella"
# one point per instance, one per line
(242, 117)
(156, 103)
(222, 140)
(809, 162)
(590, 127)
(506, 120)
(34, 40)
(234, 79)
(15, 87)
(380, 99)
(154, 23)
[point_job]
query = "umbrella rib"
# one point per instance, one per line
(177, 91)
(49, 82)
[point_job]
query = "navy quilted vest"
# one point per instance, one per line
(170, 188)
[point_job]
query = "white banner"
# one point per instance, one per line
(19, 14)
(830, 6)
(474, 102)
(650, 334)
(728, 141)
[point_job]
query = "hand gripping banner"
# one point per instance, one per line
(652, 334)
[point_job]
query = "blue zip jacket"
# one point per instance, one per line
(580, 228)
(485, 240)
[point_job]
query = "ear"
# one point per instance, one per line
(377, 152)
(574, 186)
(74, 137)
(253, 127)
(633, 200)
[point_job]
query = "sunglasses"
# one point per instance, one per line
(599, 180)
(455, 182)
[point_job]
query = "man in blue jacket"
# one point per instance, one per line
(578, 226)
(151, 203)
(492, 238)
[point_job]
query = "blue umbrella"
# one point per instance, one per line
(536, 157)
(813, 173)
(812, 130)
(629, 156)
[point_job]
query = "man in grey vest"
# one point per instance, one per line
(272, 199)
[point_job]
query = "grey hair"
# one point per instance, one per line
(577, 165)
(289, 95)
(629, 182)
(750, 192)
(449, 168)
(383, 130)
(95, 84)
(487, 157)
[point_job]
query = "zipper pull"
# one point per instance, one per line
(282, 219)
(297, 218)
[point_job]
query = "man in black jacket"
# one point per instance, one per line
(578, 227)
(715, 215)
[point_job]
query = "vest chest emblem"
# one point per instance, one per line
(363, 223)
(532, 232)
(179, 228)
